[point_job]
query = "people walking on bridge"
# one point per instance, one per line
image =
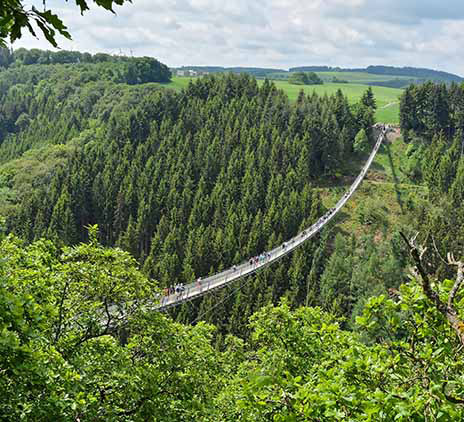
(199, 284)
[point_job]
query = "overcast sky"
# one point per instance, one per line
(272, 33)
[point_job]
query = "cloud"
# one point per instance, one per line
(274, 33)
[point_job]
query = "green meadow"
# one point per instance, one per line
(358, 77)
(350, 77)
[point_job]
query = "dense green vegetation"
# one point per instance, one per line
(304, 78)
(186, 182)
(66, 354)
(52, 104)
(22, 56)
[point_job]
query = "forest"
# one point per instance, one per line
(113, 188)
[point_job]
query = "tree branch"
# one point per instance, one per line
(426, 285)
(459, 278)
(446, 309)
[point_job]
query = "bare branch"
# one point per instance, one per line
(426, 285)
(446, 309)
(459, 278)
(438, 252)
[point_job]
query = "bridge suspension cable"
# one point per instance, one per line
(199, 288)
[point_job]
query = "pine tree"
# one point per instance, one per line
(368, 99)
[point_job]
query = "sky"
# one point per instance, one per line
(271, 33)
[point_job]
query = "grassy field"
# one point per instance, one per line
(177, 83)
(358, 77)
(387, 98)
(351, 77)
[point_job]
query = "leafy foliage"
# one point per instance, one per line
(15, 16)
(303, 367)
(78, 341)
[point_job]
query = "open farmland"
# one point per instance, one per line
(350, 77)
(358, 77)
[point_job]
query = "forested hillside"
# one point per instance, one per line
(112, 189)
(432, 119)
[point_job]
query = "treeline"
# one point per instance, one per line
(131, 70)
(189, 183)
(421, 73)
(304, 78)
(430, 109)
(23, 56)
(397, 83)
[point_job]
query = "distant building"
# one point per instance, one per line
(190, 72)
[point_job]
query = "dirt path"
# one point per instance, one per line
(388, 105)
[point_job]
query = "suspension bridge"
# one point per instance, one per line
(222, 279)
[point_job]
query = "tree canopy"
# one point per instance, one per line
(304, 78)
